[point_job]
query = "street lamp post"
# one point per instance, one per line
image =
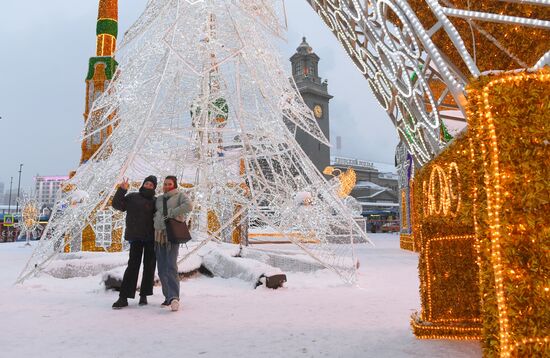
(18, 189)
(9, 200)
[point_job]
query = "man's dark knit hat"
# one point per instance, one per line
(152, 179)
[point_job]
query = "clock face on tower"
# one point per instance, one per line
(318, 111)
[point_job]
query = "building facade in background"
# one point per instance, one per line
(376, 188)
(2, 193)
(46, 188)
(6, 197)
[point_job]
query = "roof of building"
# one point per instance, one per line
(381, 167)
(304, 48)
(51, 178)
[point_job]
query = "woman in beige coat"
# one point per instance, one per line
(179, 206)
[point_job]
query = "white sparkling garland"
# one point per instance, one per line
(515, 20)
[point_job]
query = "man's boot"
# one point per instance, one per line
(120, 303)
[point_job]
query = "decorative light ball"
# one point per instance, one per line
(78, 197)
(353, 205)
(303, 198)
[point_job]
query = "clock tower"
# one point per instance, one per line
(314, 91)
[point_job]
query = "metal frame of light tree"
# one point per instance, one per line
(164, 72)
(404, 66)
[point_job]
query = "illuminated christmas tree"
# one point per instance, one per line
(201, 93)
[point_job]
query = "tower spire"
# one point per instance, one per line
(101, 70)
(107, 27)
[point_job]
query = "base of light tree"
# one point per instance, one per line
(459, 330)
(406, 242)
(113, 280)
(214, 260)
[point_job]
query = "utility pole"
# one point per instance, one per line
(18, 189)
(9, 200)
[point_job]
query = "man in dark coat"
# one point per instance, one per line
(140, 209)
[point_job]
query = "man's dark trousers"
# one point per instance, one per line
(129, 282)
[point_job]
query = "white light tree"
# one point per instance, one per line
(201, 93)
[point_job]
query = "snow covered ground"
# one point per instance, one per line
(315, 315)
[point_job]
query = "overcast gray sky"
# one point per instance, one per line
(45, 47)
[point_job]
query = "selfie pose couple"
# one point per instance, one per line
(147, 221)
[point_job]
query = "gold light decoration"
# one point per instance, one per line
(30, 215)
(493, 225)
(493, 44)
(347, 179)
(329, 170)
(347, 182)
(89, 243)
(213, 222)
(509, 121)
(404, 223)
(444, 234)
(441, 196)
(240, 228)
(490, 264)
(406, 242)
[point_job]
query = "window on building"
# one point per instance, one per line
(299, 68)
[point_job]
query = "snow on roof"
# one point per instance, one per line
(368, 185)
(377, 203)
(388, 175)
(374, 194)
